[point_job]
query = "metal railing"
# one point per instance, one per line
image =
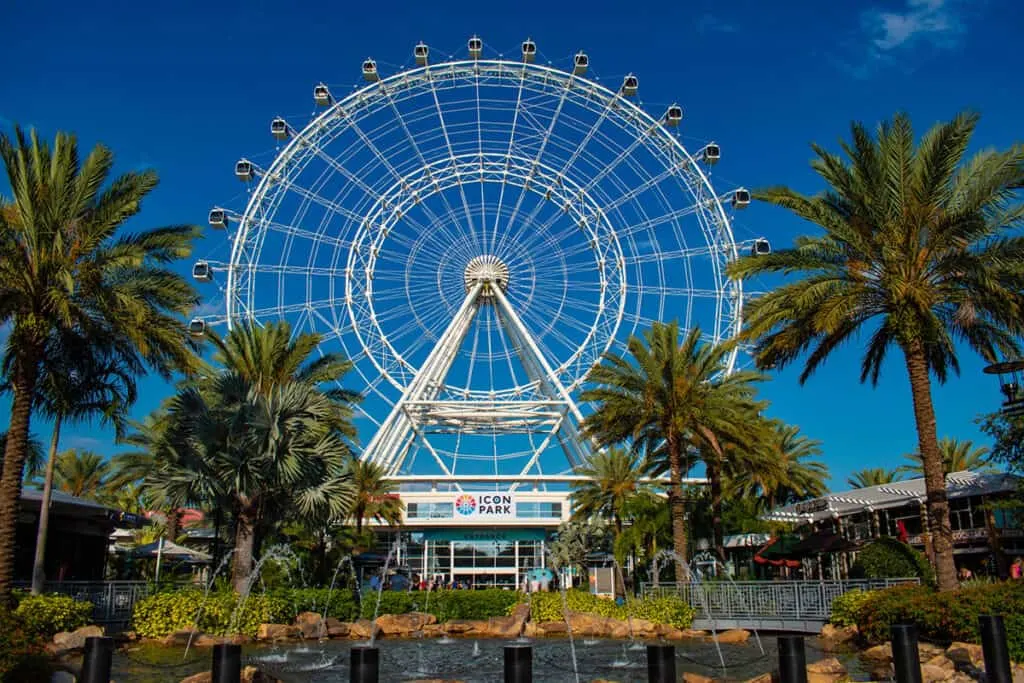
(112, 601)
(763, 601)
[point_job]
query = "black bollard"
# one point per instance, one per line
(997, 654)
(227, 663)
(792, 660)
(518, 664)
(905, 657)
(99, 656)
(661, 663)
(365, 664)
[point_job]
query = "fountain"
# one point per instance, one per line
(202, 603)
(668, 553)
(380, 592)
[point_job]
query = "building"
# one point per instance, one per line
(981, 530)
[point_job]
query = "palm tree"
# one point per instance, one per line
(264, 455)
(63, 267)
(916, 243)
(957, 456)
(82, 473)
(673, 400)
(609, 480)
(649, 528)
(375, 496)
(33, 458)
(786, 473)
(79, 379)
(872, 476)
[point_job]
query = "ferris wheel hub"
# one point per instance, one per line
(491, 271)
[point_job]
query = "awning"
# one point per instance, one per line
(779, 552)
(822, 542)
(170, 551)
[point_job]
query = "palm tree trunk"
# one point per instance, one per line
(245, 541)
(24, 385)
(715, 480)
(934, 472)
(677, 509)
(39, 563)
(173, 526)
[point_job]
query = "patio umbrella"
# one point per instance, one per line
(822, 542)
(779, 552)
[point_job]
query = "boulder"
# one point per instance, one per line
(967, 654)
(926, 651)
(404, 625)
(204, 640)
(504, 627)
(251, 674)
(311, 625)
(335, 628)
(837, 638)
(182, 638)
(879, 654)
(363, 629)
(618, 629)
(735, 635)
(521, 612)
(932, 674)
(75, 640)
(641, 628)
(465, 627)
(585, 624)
(693, 633)
(433, 630)
(942, 661)
(1018, 673)
(766, 677)
(533, 630)
(690, 677)
(202, 677)
(549, 628)
(825, 671)
(671, 633)
(277, 632)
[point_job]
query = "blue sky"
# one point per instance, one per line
(189, 87)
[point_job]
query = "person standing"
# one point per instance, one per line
(1017, 569)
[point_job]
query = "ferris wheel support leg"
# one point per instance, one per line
(390, 444)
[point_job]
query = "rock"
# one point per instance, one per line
(1018, 673)
(363, 629)
(671, 633)
(932, 674)
(204, 640)
(961, 677)
(553, 627)
(879, 654)
(767, 677)
(641, 628)
(181, 638)
(504, 627)
(335, 628)
(585, 624)
(521, 612)
(62, 677)
(942, 661)
(690, 677)
(130, 635)
(836, 638)
(433, 630)
(404, 625)
(533, 630)
(691, 633)
(928, 651)
(967, 653)
(75, 640)
(251, 674)
(735, 635)
(618, 629)
(277, 632)
(203, 677)
(311, 625)
(825, 671)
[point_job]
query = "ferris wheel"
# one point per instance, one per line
(474, 234)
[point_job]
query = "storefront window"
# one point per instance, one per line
(538, 510)
(428, 510)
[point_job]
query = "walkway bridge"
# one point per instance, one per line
(797, 606)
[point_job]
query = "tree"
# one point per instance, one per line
(375, 496)
(609, 480)
(787, 473)
(264, 456)
(64, 267)
(872, 476)
(79, 379)
(957, 456)
(671, 399)
(649, 528)
(33, 457)
(1007, 433)
(574, 540)
(917, 245)
(82, 473)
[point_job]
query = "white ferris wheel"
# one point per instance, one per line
(474, 234)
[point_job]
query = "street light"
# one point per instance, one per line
(1010, 384)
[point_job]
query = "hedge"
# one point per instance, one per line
(443, 604)
(673, 611)
(48, 614)
(888, 558)
(944, 617)
(22, 651)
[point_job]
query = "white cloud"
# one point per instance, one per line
(709, 23)
(932, 21)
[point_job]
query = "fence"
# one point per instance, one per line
(781, 605)
(112, 600)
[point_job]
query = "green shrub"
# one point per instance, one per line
(846, 606)
(343, 605)
(444, 604)
(945, 617)
(888, 558)
(50, 614)
(22, 651)
(164, 613)
(673, 611)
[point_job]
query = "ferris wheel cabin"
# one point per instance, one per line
(529, 51)
(370, 74)
(580, 63)
(629, 85)
(197, 327)
(244, 170)
(711, 154)
(741, 198)
(218, 218)
(279, 128)
(202, 272)
(476, 47)
(322, 95)
(421, 52)
(761, 247)
(673, 115)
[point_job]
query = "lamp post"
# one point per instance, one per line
(1009, 373)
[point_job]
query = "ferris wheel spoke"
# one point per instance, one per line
(508, 159)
